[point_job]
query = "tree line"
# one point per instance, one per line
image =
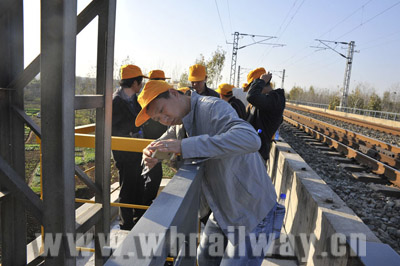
(363, 96)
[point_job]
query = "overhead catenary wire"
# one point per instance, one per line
(299, 52)
(361, 24)
(284, 30)
(346, 18)
(220, 20)
(229, 14)
(380, 41)
(287, 15)
(368, 20)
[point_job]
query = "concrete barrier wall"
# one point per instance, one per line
(314, 210)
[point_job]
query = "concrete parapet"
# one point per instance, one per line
(321, 228)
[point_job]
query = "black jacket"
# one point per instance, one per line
(207, 92)
(238, 106)
(266, 113)
(153, 129)
(123, 125)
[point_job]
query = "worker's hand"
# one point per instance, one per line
(147, 153)
(170, 145)
(266, 77)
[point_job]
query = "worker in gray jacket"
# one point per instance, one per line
(235, 184)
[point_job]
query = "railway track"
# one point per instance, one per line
(378, 205)
(379, 157)
(374, 126)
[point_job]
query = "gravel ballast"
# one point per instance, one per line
(379, 212)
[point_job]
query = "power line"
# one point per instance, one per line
(287, 15)
(349, 64)
(291, 19)
(346, 18)
(229, 13)
(362, 24)
(220, 20)
(284, 30)
(236, 48)
(380, 40)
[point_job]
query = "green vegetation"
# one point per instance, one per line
(333, 102)
(168, 171)
(183, 81)
(32, 147)
(214, 66)
(84, 156)
(362, 97)
(35, 182)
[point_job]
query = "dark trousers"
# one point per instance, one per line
(152, 187)
(132, 192)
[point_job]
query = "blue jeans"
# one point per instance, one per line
(215, 249)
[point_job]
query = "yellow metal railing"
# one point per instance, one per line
(85, 140)
(117, 143)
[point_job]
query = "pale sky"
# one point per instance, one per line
(171, 35)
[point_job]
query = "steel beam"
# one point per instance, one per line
(58, 51)
(85, 179)
(15, 183)
(13, 218)
(28, 120)
(25, 76)
(88, 102)
(104, 86)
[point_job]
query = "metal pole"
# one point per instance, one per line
(347, 74)
(234, 57)
(238, 78)
(58, 50)
(105, 63)
(12, 214)
(283, 78)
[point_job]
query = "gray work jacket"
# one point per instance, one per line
(235, 182)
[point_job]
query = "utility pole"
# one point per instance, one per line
(234, 57)
(282, 77)
(236, 48)
(349, 64)
(238, 78)
(346, 82)
(239, 75)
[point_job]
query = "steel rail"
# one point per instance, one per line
(377, 167)
(366, 124)
(379, 150)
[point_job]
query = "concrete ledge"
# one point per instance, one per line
(319, 224)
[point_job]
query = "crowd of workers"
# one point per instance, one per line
(214, 125)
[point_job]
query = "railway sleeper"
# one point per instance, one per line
(369, 177)
(312, 141)
(332, 153)
(317, 144)
(352, 167)
(386, 190)
(341, 159)
(323, 148)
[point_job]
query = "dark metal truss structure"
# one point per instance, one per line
(56, 65)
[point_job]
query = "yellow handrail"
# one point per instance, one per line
(116, 204)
